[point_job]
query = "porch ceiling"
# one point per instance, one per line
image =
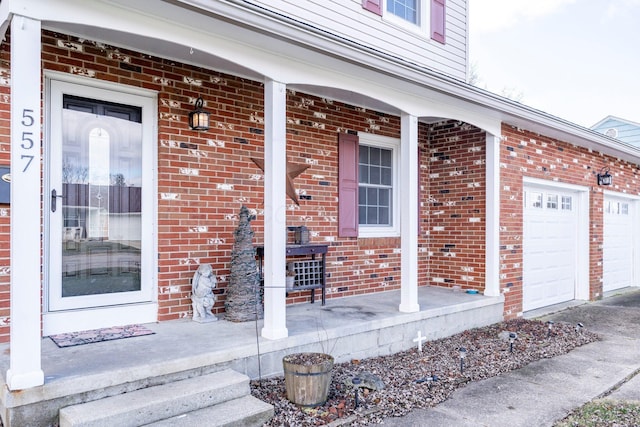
(151, 46)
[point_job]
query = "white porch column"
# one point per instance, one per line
(492, 255)
(409, 213)
(24, 363)
(275, 209)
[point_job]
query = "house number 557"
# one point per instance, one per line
(26, 143)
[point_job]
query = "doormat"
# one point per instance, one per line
(98, 335)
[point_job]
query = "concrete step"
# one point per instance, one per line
(243, 412)
(157, 403)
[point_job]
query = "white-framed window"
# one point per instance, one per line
(427, 17)
(624, 209)
(412, 15)
(378, 193)
(408, 10)
(567, 203)
(552, 201)
(533, 200)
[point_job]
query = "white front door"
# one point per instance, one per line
(619, 236)
(100, 208)
(550, 247)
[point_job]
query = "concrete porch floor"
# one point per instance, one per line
(354, 327)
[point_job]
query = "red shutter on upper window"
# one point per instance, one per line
(374, 6)
(347, 185)
(438, 20)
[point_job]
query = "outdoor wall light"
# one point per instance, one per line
(604, 177)
(463, 354)
(512, 338)
(198, 118)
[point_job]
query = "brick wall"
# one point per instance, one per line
(524, 153)
(5, 211)
(453, 213)
(205, 177)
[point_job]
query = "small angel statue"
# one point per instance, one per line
(202, 297)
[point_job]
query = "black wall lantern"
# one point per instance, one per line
(604, 177)
(198, 118)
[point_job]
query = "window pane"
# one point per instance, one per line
(372, 215)
(102, 208)
(405, 9)
(383, 216)
(533, 200)
(363, 154)
(375, 190)
(625, 209)
(384, 198)
(552, 201)
(374, 175)
(372, 196)
(374, 156)
(385, 178)
(385, 158)
(363, 174)
(362, 197)
(362, 214)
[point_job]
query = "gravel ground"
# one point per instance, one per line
(407, 375)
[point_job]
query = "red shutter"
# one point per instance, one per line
(438, 20)
(374, 6)
(347, 185)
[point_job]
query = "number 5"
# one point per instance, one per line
(27, 118)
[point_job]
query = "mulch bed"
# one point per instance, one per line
(409, 376)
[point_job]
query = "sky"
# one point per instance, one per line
(575, 59)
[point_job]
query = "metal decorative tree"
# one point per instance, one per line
(243, 302)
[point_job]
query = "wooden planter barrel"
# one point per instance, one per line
(307, 377)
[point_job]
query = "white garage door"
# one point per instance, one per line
(550, 247)
(618, 243)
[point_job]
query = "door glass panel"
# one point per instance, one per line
(102, 198)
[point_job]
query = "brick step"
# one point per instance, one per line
(246, 412)
(157, 403)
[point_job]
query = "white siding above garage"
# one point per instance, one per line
(555, 265)
(348, 19)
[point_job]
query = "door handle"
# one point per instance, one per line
(54, 199)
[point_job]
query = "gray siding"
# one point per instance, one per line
(628, 132)
(347, 18)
